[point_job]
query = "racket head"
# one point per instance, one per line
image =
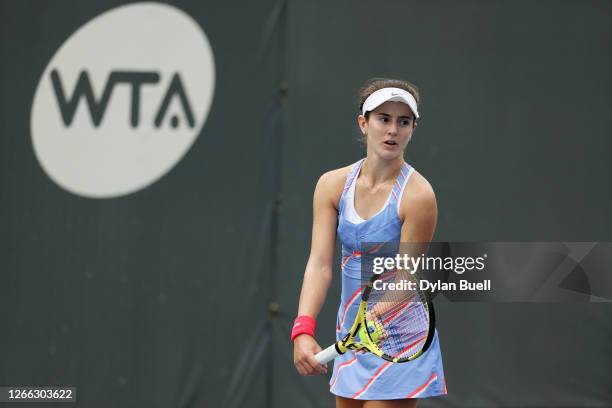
(398, 325)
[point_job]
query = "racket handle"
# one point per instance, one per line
(327, 355)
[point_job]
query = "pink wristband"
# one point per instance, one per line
(303, 325)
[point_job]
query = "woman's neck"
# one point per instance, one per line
(376, 171)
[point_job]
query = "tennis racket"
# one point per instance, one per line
(396, 325)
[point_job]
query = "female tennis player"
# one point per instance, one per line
(377, 199)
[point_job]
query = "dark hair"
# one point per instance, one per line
(374, 84)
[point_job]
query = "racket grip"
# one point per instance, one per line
(327, 355)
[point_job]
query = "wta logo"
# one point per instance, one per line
(123, 100)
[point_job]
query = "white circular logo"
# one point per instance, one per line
(123, 100)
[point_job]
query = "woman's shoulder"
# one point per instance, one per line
(418, 194)
(331, 183)
(336, 177)
(418, 184)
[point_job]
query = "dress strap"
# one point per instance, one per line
(349, 180)
(400, 184)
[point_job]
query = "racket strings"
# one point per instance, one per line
(402, 319)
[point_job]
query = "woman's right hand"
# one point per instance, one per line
(304, 349)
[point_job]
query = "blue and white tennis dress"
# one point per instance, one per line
(367, 376)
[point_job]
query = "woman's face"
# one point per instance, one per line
(388, 129)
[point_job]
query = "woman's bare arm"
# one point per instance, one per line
(318, 273)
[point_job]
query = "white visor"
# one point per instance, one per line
(390, 94)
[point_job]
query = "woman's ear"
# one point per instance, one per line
(363, 124)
